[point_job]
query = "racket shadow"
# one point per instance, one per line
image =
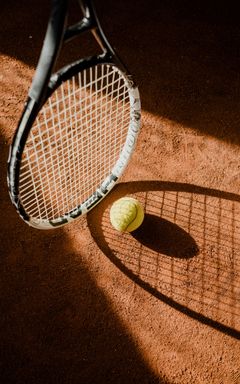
(186, 253)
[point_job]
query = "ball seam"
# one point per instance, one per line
(136, 213)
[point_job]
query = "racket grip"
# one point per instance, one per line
(51, 47)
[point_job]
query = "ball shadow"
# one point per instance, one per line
(165, 237)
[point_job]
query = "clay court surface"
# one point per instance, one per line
(85, 304)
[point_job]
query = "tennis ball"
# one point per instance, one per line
(126, 214)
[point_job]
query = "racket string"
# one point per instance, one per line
(75, 142)
(42, 138)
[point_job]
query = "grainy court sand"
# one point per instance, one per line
(85, 304)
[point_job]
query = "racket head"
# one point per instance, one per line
(67, 155)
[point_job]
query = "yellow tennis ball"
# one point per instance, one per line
(126, 214)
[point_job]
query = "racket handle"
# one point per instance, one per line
(50, 50)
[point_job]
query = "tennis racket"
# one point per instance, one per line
(78, 128)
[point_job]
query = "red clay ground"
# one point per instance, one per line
(84, 304)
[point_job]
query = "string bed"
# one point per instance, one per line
(74, 143)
